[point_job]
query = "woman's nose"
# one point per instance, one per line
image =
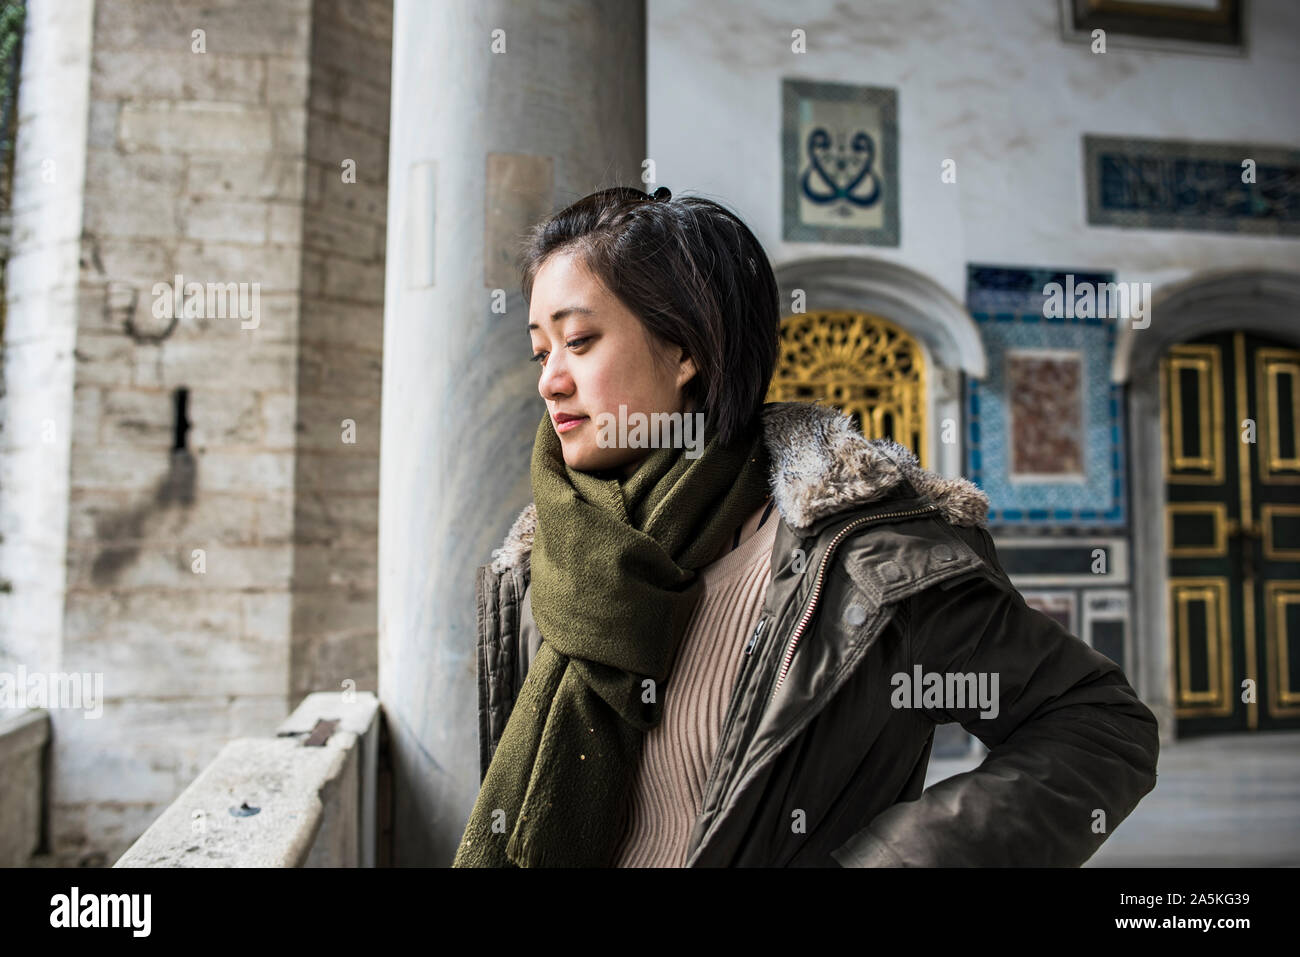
(554, 380)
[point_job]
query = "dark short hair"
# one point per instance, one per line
(695, 276)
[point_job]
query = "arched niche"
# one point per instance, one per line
(1266, 302)
(915, 303)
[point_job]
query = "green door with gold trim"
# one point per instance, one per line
(1230, 408)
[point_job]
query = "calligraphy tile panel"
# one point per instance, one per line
(839, 163)
(1179, 184)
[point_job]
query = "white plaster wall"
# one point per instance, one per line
(992, 85)
(988, 83)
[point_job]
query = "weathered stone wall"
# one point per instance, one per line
(341, 328)
(192, 456)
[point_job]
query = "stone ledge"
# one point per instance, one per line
(22, 731)
(23, 735)
(276, 802)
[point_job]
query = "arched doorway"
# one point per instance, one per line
(863, 365)
(856, 301)
(1260, 303)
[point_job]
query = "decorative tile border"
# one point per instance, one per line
(1007, 304)
(1032, 560)
(1107, 623)
(1181, 184)
(839, 163)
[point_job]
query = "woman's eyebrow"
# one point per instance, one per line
(560, 314)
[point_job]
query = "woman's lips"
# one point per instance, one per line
(569, 424)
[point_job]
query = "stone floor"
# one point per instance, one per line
(1223, 801)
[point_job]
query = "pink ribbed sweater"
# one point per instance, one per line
(668, 791)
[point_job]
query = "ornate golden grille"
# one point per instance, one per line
(861, 364)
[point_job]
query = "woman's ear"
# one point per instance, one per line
(685, 369)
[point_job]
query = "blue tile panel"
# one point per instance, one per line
(1007, 304)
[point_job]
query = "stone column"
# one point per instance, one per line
(36, 412)
(501, 113)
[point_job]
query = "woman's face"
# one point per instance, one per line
(595, 355)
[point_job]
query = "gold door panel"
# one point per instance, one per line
(1281, 530)
(861, 364)
(1196, 529)
(1191, 384)
(1282, 604)
(1277, 377)
(1199, 615)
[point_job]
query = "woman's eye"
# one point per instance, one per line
(572, 344)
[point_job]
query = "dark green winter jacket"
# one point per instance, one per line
(880, 567)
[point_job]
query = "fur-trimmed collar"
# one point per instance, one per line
(821, 465)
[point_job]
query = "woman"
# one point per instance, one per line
(737, 655)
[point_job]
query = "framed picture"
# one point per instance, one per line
(839, 163)
(1188, 25)
(1045, 414)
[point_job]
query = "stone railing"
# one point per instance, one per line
(23, 735)
(305, 798)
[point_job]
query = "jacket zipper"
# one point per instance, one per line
(817, 586)
(794, 640)
(740, 680)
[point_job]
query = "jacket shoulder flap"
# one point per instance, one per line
(896, 558)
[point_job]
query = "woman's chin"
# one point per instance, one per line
(581, 460)
(584, 460)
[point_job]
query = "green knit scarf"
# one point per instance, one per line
(613, 585)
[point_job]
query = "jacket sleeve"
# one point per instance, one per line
(496, 650)
(1072, 749)
(485, 647)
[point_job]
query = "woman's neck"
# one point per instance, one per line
(748, 529)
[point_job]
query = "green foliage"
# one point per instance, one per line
(12, 15)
